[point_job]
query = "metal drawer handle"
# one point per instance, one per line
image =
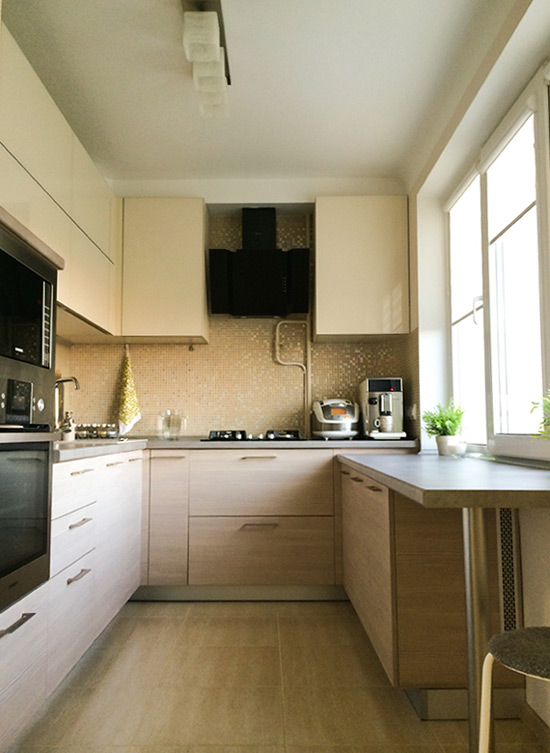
(81, 574)
(116, 462)
(135, 460)
(84, 470)
(25, 617)
(166, 457)
(259, 457)
(357, 479)
(257, 526)
(345, 473)
(374, 488)
(80, 523)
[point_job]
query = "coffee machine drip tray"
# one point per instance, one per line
(386, 435)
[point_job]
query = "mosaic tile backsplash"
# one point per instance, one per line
(234, 381)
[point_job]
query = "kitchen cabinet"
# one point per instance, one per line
(31, 126)
(168, 517)
(361, 266)
(22, 662)
(403, 570)
(164, 278)
(50, 184)
(261, 517)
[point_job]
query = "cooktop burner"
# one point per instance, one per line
(235, 435)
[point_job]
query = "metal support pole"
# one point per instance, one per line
(478, 613)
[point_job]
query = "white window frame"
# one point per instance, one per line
(535, 100)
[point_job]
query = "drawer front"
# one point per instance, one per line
(73, 536)
(75, 485)
(20, 702)
(25, 642)
(261, 551)
(72, 623)
(261, 482)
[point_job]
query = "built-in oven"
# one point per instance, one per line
(25, 500)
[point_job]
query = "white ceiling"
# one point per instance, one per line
(320, 88)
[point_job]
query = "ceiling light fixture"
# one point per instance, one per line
(204, 47)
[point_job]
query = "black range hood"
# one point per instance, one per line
(259, 279)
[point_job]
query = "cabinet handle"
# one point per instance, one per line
(84, 470)
(166, 457)
(80, 523)
(135, 460)
(81, 574)
(345, 473)
(25, 617)
(374, 488)
(259, 457)
(357, 479)
(257, 526)
(116, 462)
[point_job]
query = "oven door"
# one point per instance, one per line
(25, 498)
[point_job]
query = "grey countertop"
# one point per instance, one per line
(444, 481)
(65, 450)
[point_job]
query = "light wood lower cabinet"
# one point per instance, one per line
(23, 651)
(168, 516)
(261, 517)
(403, 570)
(291, 551)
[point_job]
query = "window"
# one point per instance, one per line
(498, 254)
(467, 312)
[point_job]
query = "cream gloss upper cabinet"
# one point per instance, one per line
(164, 275)
(361, 266)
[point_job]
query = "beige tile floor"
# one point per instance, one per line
(240, 678)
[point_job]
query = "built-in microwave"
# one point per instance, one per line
(27, 312)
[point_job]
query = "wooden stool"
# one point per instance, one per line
(527, 651)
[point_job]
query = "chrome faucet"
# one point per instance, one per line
(59, 398)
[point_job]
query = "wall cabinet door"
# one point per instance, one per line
(361, 266)
(31, 126)
(168, 516)
(164, 278)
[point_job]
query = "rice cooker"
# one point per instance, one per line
(335, 418)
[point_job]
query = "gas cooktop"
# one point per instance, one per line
(240, 435)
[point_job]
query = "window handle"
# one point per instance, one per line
(477, 299)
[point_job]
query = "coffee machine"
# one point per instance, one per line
(381, 403)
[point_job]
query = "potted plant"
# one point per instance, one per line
(544, 426)
(444, 424)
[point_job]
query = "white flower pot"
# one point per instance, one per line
(450, 445)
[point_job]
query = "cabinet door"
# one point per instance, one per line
(287, 551)
(72, 536)
(23, 197)
(75, 484)
(72, 625)
(361, 266)
(31, 126)
(164, 278)
(368, 562)
(261, 482)
(168, 515)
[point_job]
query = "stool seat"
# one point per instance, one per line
(526, 650)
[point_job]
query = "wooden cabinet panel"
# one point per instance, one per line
(261, 482)
(73, 617)
(25, 647)
(164, 280)
(361, 266)
(20, 702)
(75, 485)
(368, 575)
(168, 516)
(261, 551)
(72, 536)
